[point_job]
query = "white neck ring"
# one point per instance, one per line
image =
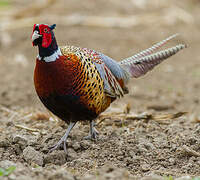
(51, 58)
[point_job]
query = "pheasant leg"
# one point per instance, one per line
(93, 134)
(63, 139)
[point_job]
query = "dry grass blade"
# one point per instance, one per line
(160, 108)
(163, 117)
(122, 116)
(143, 116)
(27, 128)
(52, 117)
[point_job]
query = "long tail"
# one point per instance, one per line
(146, 60)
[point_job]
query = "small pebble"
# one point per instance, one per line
(4, 143)
(20, 139)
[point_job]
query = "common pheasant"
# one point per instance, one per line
(78, 83)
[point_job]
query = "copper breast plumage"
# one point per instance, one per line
(70, 85)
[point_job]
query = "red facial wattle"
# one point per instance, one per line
(45, 31)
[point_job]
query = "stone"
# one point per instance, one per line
(33, 156)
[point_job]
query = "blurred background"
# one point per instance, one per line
(114, 27)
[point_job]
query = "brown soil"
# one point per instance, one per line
(126, 149)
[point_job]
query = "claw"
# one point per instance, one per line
(54, 147)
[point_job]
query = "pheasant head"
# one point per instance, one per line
(43, 37)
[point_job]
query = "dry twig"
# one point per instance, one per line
(187, 150)
(26, 128)
(34, 131)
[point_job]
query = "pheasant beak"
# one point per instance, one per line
(35, 35)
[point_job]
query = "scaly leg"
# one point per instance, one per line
(63, 139)
(93, 134)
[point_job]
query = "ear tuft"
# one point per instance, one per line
(52, 26)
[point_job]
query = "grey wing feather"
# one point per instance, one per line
(102, 72)
(115, 68)
(109, 71)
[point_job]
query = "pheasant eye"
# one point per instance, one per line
(45, 30)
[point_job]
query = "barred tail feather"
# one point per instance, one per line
(148, 51)
(142, 65)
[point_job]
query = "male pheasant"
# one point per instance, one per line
(78, 83)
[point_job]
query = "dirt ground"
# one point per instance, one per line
(147, 148)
